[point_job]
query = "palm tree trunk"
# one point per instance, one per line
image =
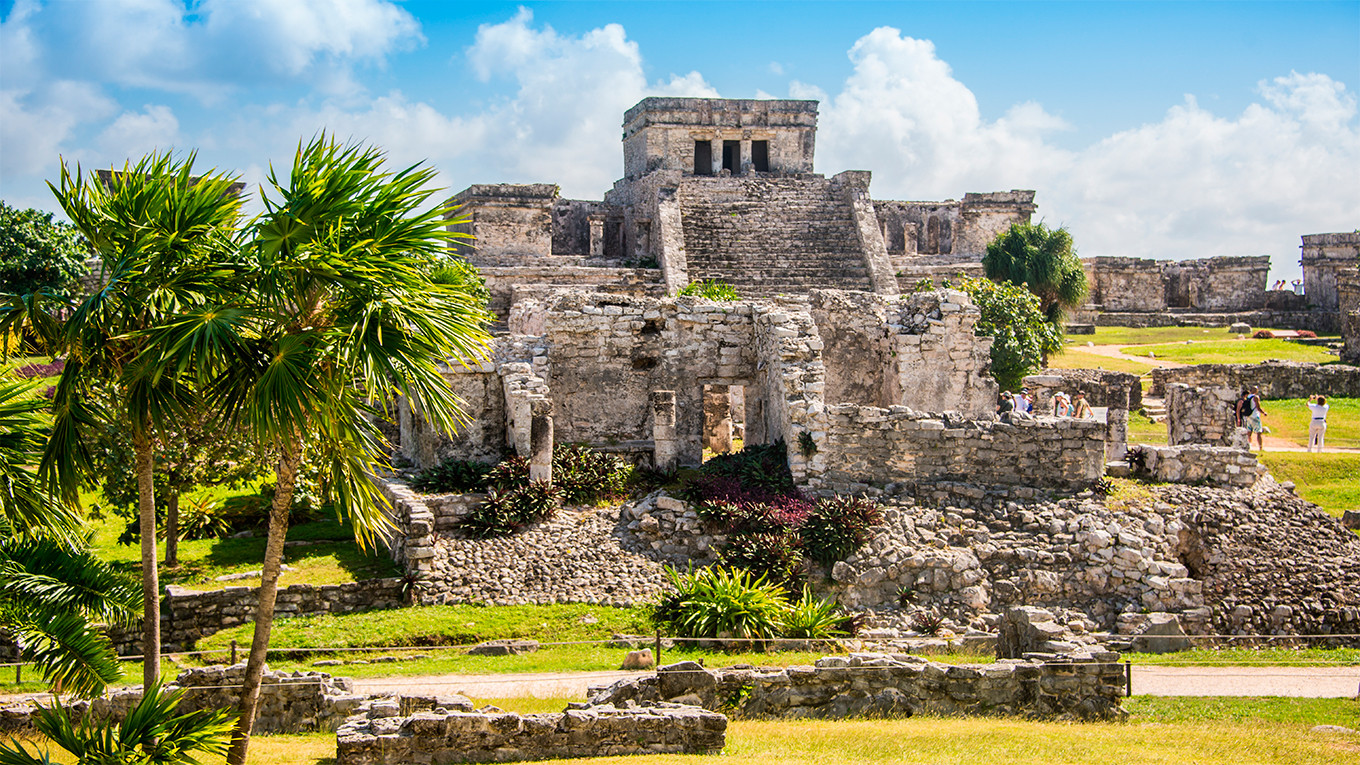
(269, 586)
(151, 588)
(172, 531)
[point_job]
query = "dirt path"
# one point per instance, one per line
(1309, 682)
(1113, 352)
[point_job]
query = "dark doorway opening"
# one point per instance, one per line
(703, 158)
(760, 156)
(732, 157)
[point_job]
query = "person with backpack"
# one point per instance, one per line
(1249, 413)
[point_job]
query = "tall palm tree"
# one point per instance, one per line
(343, 313)
(165, 238)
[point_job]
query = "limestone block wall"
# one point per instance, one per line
(509, 284)
(1348, 297)
(189, 615)
(659, 133)
(482, 439)
(957, 231)
(380, 735)
(1202, 416)
(872, 446)
(886, 685)
(505, 218)
(1116, 390)
(1199, 463)
(1323, 258)
(1277, 379)
(1214, 285)
(1321, 322)
(940, 365)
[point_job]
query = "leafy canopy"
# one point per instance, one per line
(1044, 261)
(38, 252)
(1022, 336)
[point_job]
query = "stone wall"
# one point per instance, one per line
(1321, 322)
(886, 685)
(1198, 463)
(188, 615)
(504, 219)
(1348, 295)
(1277, 379)
(290, 702)
(1213, 285)
(1323, 257)
(871, 446)
(508, 285)
(1203, 416)
(1115, 390)
(659, 134)
(381, 735)
(954, 231)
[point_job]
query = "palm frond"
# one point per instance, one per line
(67, 649)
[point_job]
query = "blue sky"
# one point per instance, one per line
(1166, 130)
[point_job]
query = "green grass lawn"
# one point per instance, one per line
(1152, 335)
(1145, 431)
(1189, 731)
(1074, 357)
(1248, 351)
(333, 559)
(1290, 417)
(1327, 480)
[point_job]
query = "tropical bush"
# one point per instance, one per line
(712, 289)
(837, 527)
(38, 252)
(814, 618)
(586, 476)
(720, 603)
(453, 475)
(504, 512)
(508, 473)
(756, 466)
(152, 733)
(774, 553)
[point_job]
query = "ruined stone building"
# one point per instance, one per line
(1324, 258)
(724, 189)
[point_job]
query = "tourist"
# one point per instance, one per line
(1007, 403)
(1061, 406)
(1317, 427)
(1081, 409)
(1023, 402)
(1250, 417)
(1298, 286)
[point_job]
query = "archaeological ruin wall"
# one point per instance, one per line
(1206, 285)
(1323, 258)
(922, 235)
(1277, 379)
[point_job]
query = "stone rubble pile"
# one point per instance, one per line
(883, 685)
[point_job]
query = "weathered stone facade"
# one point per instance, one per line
(721, 189)
(1207, 285)
(1277, 379)
(1323, 258)
(384, 734)
(1203, 416)
(1231, 466)
(885, 685)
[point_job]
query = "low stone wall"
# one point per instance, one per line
(290, 702)
(1202, 416)
(1278, 379)
(886, 685)
(380, 735)
(507, 284)
(1116, 390)
(189, 615)
(888, 448)
(1321, 322)
(1198, 463)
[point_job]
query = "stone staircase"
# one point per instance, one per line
(1154, 408)
(771, 235)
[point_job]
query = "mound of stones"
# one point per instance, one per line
(389, 732)
(884, 685)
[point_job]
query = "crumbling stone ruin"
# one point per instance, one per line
(1325, 258)
(723, 189)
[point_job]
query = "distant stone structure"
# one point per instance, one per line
(1324, 258)
(723, 189)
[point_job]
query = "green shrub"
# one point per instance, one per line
(508, 473)
(720, 603)
(837, 527)
(760, 466)
(453, 475)
(587, 476)
(711, 289)
(773, 553)
(814, 618)
(505, 512)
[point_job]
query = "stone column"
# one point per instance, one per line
(744, 162)
(717, 419)
(666, 448)
(715, 152)
(1116, 434)
(755, 417)
(596, 236)
(540, 440)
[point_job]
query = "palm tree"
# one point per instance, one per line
(165, 238)
(152, 733)
(1043, 260)
(344, 312)
(50, 589)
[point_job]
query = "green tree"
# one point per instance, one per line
(25, 508)
(341, 315)
(1011, 315)
(38, 252)
(1042, 259)
(165, 238)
